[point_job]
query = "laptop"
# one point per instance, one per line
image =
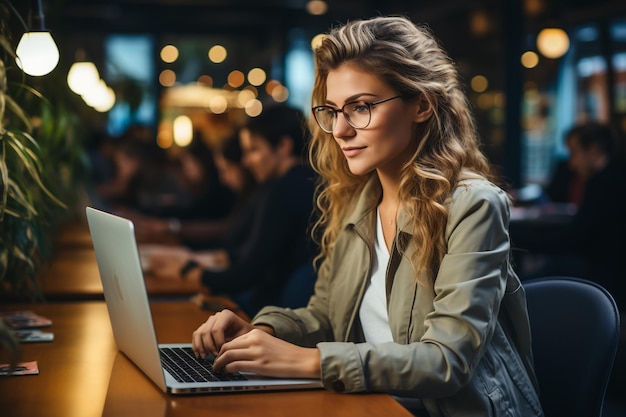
(172, 367)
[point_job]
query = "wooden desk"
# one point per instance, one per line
(73, 275)
(83, 375)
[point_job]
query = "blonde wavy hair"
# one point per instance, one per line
(445, 148)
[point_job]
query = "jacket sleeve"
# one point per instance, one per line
(468, 289)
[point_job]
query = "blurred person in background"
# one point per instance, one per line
(272, 240)
(137, 171)
(596, 233)
(201, 194)
(209, 197)
(564, 185)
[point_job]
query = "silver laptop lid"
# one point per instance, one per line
(125, 292)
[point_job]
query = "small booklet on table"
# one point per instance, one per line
(24, 319)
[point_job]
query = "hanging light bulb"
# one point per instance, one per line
(100, 96)
(82, 76)
(37, 53)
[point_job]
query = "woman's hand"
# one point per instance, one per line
(240, 346)
(217, 330)
(260, 352)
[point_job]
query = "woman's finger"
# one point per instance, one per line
(202, 341)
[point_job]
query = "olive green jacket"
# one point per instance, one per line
(462, 346)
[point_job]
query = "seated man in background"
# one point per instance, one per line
(597, 231)
(254, 272)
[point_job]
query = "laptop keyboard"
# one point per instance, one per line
(184, 367)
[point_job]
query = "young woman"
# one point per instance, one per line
(415, 295)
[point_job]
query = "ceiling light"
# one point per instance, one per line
(37, 53)
(81, 76)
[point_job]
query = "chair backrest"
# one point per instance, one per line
(575, 330)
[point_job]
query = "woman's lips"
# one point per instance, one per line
(352, 151)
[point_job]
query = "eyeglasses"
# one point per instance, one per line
(358, 114)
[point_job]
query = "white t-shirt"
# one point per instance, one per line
(373, 310)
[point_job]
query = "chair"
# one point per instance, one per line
(575, 331)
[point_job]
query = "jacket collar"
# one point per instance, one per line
(366, 205)
(367, 202)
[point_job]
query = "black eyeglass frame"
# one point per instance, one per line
(336, 111)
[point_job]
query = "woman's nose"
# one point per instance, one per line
(342, 128)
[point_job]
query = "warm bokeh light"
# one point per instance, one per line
(479, 83)
(317, 41)
(245, 96)
(183, 131)
(271, 84)
(256, 76)
(484, 101)
(218, 105)
(167, 78)
(552, 42)
(253, 108)
(252, 89)
(217, 54)
(534, 7)
(480, 23)
(316, 7)
(205, 80)
(499, 99)
(236, 78)
(169, 53)
(280, 93)
(530, 59)
(164, 139)
(81, 76)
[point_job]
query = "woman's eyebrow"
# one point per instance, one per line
(352, 98)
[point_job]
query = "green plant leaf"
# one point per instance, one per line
(16, 193)
(17, 110)
(15, 137)
(32, 165)
(26, 259)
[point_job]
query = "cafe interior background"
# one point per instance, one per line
(532, 68)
